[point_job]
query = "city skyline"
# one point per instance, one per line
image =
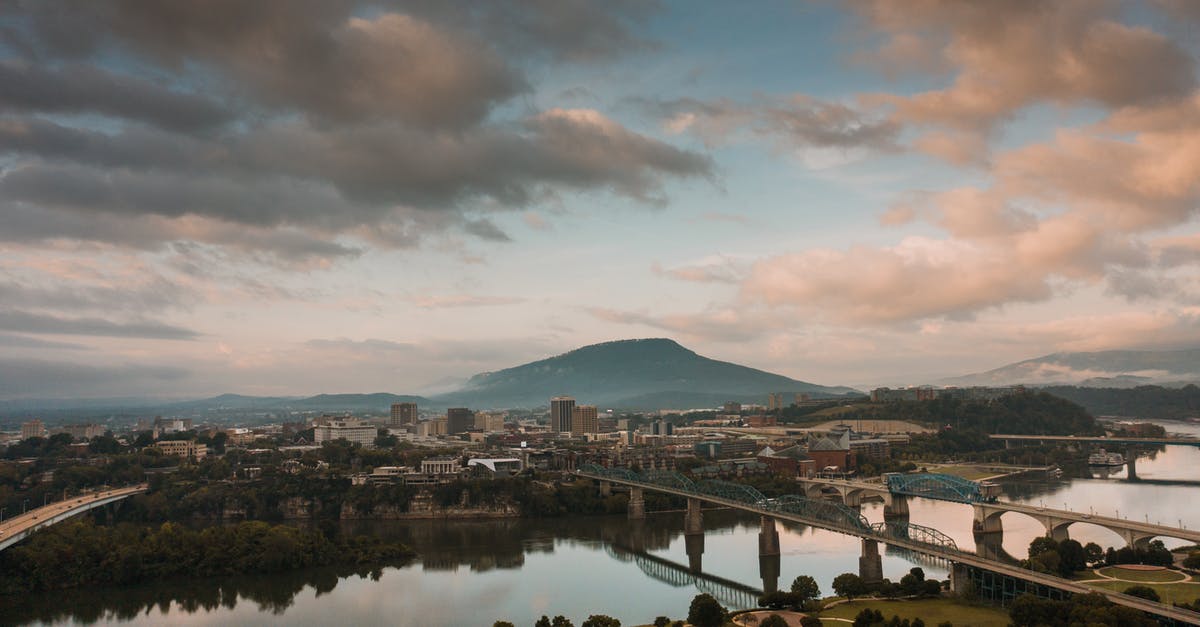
(391, 196)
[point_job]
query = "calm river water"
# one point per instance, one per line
(474, 573)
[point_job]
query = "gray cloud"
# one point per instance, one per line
(28, 322)
(83, 88)
(9, 340)
(374, 120)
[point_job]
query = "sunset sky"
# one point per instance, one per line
(304, 196)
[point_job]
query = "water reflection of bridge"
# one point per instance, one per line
(727, 591)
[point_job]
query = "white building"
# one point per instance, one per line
(349, 429)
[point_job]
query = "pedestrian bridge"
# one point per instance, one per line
(17, 528)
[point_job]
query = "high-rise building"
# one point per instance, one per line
(403, 414)
(584, 419)
(459, 420)
(32, 429)
(562, 410)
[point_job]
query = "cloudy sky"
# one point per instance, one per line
(302, 196)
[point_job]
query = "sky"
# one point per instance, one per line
(305, 196)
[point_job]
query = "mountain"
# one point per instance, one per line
(643, 374)
(1097, 369)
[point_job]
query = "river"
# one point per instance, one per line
(474, 573)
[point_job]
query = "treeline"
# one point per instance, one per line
(1031, 413)
(1081, 609)
(190, 494)
(1146, 401)
(75, 554)
(963, 427)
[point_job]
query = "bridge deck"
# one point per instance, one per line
(1116, 524)
(15, 529)
(956, 556)
(1098, 439)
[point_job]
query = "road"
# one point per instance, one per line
(15, 528)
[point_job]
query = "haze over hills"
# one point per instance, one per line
(626, 374)
(1123, 368)
(646, 374)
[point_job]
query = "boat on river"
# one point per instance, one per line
(1104, 458)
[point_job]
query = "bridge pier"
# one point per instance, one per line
(605, 488)
(1136, 540)
(693, 543)
(986, 521)
(693, 522)
(637, 503)
(768, 537)
(897, 508)
(768, 569)
(959, 578)
(1057, 530)
(1131, 463)
(989, 546)
(852, 498)
(870, 563)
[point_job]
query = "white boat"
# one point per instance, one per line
(1104, 458)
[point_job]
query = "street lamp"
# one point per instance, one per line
(2, 514)
(23, 503)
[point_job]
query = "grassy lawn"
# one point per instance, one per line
(1167, 592)
(1149, 576)
(932, 611)
(966, 472)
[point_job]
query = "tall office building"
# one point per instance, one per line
(584, 419)
(562, 410)
(403, 414)
(459, 420)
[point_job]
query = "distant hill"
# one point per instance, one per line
(1146, 402)
(644, 374)
(1096, 369)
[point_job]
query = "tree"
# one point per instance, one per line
(931, 588)
(774, 620)
(544, 621)
(1143, 592)
(848, 585)
(810, 621)
(1093, 552)
(1192, 560)
(805, 588)
(503, 623)
(561, 621)
(601, 620)
(1073, 557)
(868, 617)
(1041, 545)
(705, 611)
(662, 621)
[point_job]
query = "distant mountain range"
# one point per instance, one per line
(628, 374)
(1114, 369)
(642, 374)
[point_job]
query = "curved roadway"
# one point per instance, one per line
(16, 528)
